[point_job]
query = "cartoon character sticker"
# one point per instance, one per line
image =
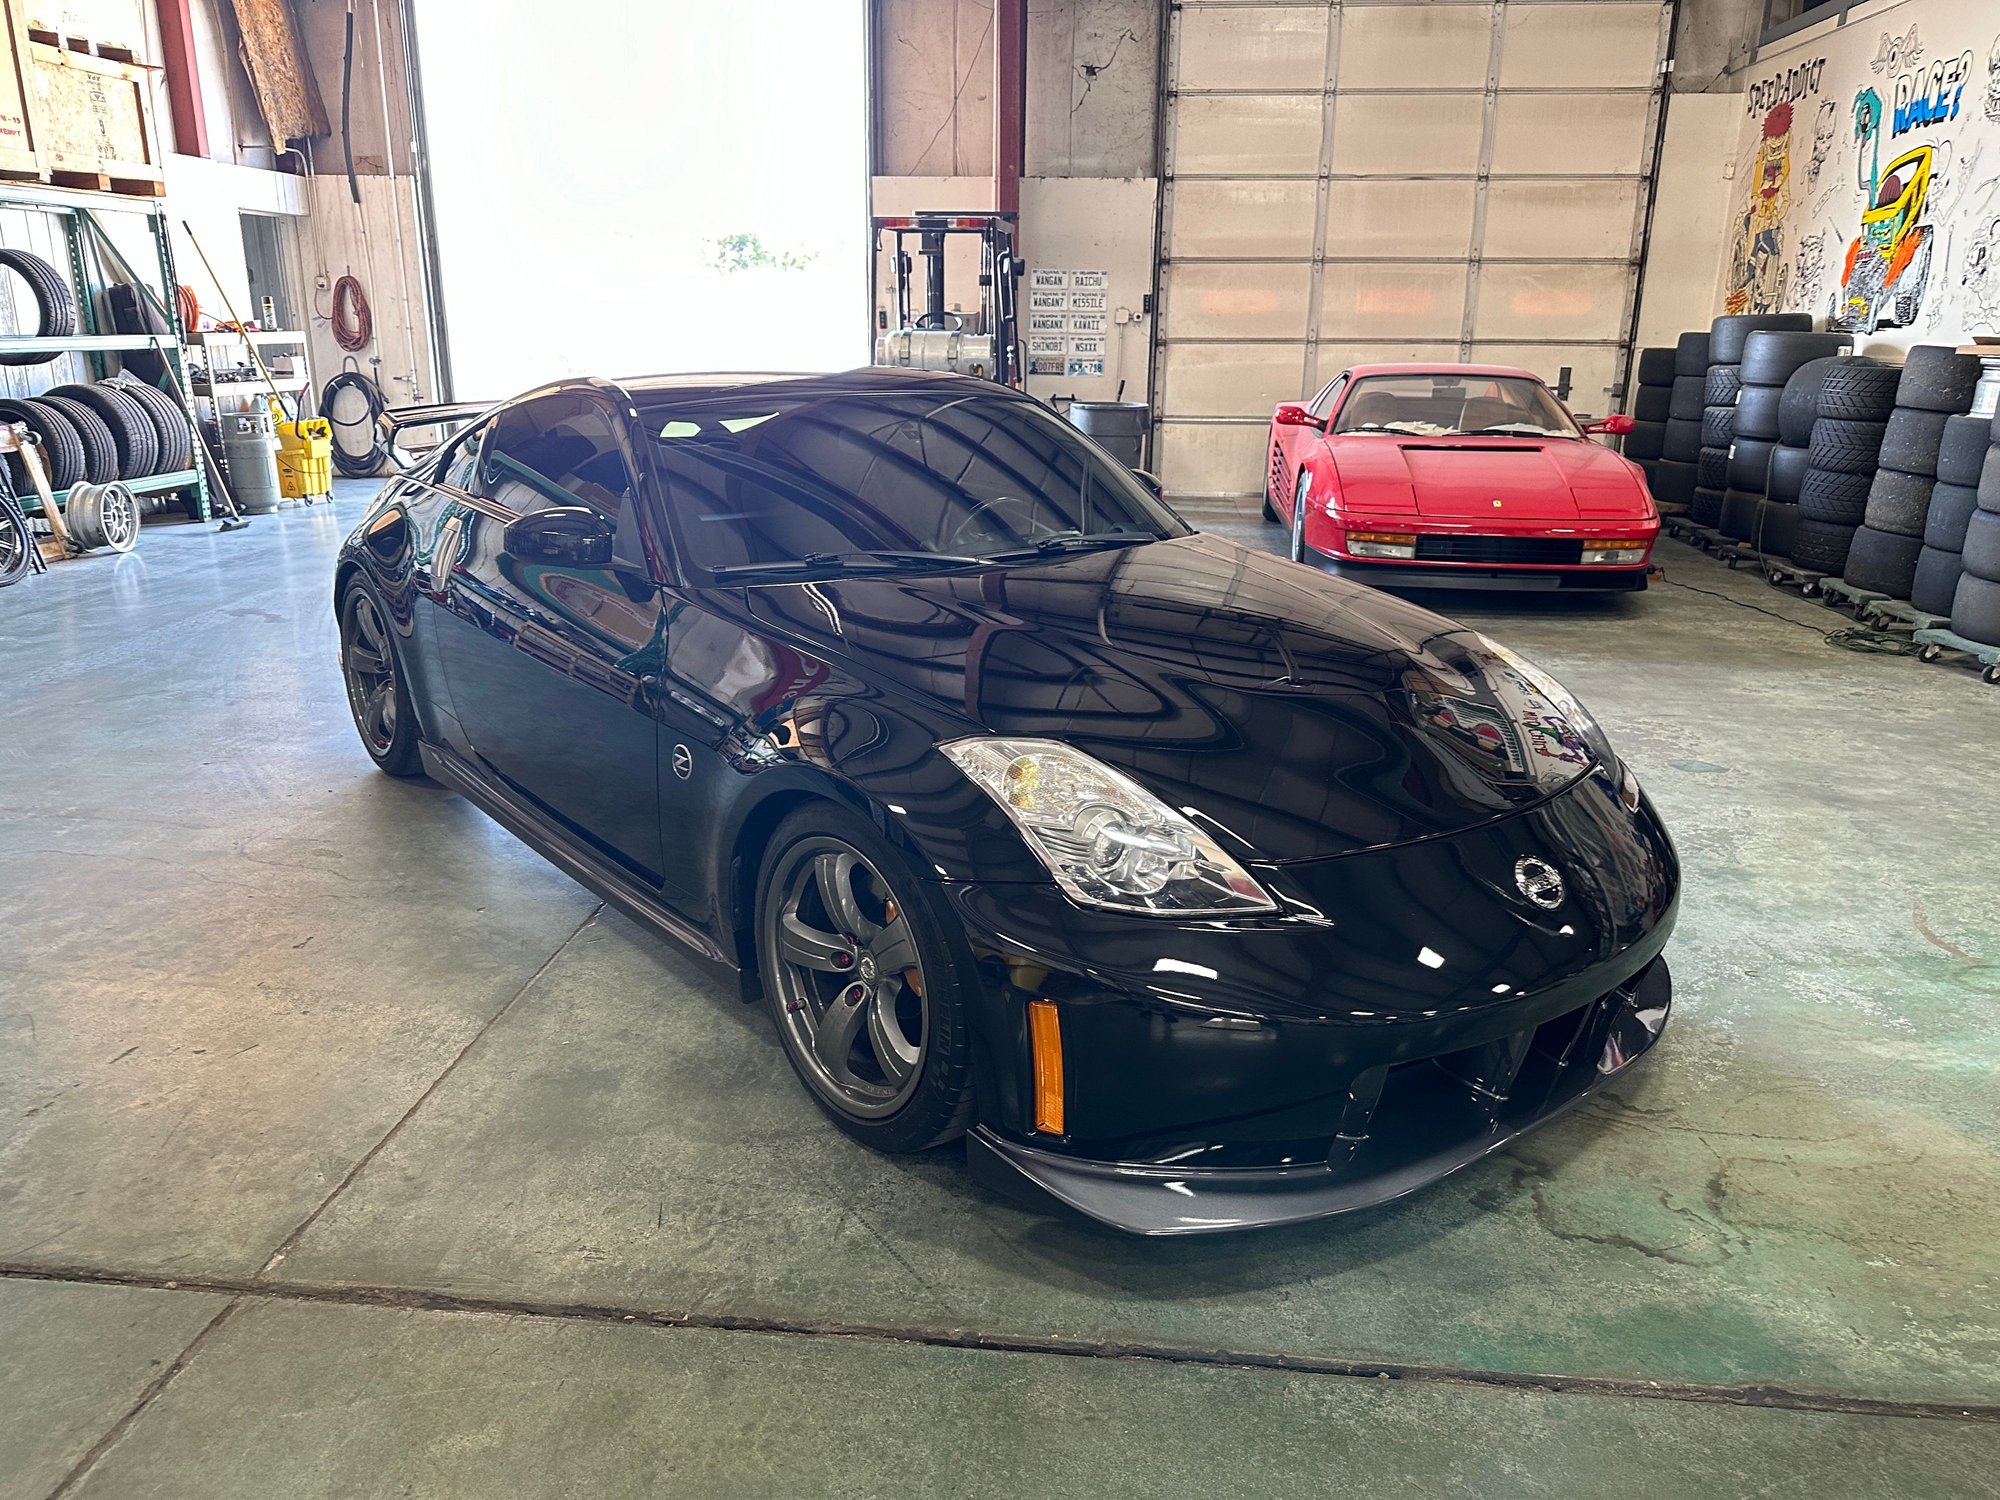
(1982, 278)
(1809, 272)
(1758, 273)
(1826, 129)
(1889, 265)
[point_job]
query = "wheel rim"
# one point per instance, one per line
(1301, 498)
(118, 518)
(840, 953)
(13, 546)
(369, 666)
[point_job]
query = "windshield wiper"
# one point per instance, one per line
(1515, 429)
(1070, 541)
(886, 561)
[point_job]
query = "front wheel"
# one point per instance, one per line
(1301, 497)
(376, 693)
(861, 982)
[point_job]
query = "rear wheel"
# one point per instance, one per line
(376, 693)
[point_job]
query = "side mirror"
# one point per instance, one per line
(1149, 480)
(1613, 426)
(1292, 414)
(573, 536)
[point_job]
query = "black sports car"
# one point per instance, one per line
(1195, 888)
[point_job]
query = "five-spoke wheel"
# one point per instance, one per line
(375, 694)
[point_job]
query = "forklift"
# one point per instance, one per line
(986, 344)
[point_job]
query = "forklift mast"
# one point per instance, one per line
(987, 343)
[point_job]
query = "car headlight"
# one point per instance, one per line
(1107, 840)
(1538, 700)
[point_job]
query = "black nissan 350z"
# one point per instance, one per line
(1194, 888)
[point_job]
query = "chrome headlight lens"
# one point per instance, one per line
(1107, 840)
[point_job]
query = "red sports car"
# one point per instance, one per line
(1457, 476)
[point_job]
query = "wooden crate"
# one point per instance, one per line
(94, 121)
(18, 155)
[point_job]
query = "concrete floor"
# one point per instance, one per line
(347, 1148)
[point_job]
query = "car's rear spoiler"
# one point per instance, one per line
(437, 414)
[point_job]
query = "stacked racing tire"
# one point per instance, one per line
(1674, 475)
(1937, 384)
(1845, 446)
(1975, 606)
(1652, 404)
(1727, 340)
(1770, 360)
(1963, 458)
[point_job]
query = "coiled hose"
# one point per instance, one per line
(353, 320)
(355, 462)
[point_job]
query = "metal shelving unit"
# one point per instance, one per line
(74, 212)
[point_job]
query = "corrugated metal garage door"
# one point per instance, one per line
(1393, 179)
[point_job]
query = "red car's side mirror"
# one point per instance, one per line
(1291, 414)
(1612, 426)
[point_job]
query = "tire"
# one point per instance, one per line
(1951, 511)
(1691, 356)
(1712, 470)
(1982, 546)
(55, 307)
(1935, 583)
(1776, 525)
(17, 544)
(131, 428)
(1937, 379)
(1683, 441)
(1738, 517)
(1652, 403)
(387, 724)
(1772, 358)
(1646, 441)
(1705, 508)
(1788, 474)
(1685, 402)
(1727, 337)
(1975, 610)
(1883, 561)
(1723, 385)
(170, 423)
(1757, 412)
(1301, 498)
(1673, 483)
(822, 848)
(1821, 546)
(1718, 427)
(1898, 503)
(62, 449)
(1989, 481)
(1835, 498)
(1798, 408)
(1750, 465)
(1859, 391)
(1962, 450)
(1847, 447)
(1656, 367)
(100, 449)
(1912, 440)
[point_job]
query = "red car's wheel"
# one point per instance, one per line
(1301, 495)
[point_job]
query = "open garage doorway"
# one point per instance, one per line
(625, 189)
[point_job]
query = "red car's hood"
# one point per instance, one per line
(1462, 478)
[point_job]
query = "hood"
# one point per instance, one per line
(1461, 478)
(1294, 715)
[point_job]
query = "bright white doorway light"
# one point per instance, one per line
(625, 188)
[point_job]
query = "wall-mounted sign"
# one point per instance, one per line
(1089, 281)
(1042, 343)
(1092, 348)
(1086, 322)
(1084, 368)
(1050, 281)
(1048, 323)
(1040, 301)
(1086, 302)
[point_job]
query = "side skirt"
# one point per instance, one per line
(554, 844)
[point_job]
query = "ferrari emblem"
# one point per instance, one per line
(1496, 504)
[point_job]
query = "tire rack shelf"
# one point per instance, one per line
(75, 212)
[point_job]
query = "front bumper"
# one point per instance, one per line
(1420, 1121)
(1419, 575)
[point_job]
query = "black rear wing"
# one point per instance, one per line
(449, 414)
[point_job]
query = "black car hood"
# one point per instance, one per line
(1294, 715)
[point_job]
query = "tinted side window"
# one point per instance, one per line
(559, 450)
(1323, 402)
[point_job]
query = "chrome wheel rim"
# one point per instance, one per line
(118, 518)
(1301, 498)
(369, 665)
(842, 960)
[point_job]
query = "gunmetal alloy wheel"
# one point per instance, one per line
(838, 949)
(369, 665)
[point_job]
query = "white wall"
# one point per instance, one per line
(1097, 224)
(1690, 215)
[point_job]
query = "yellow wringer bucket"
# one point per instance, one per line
(305, 457)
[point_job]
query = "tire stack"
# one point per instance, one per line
(1936, 385)
(1724, 382)
(1770, 360)
(1652, 401)
(1963, 458)
(1673, 477)
(1841, 456)
(1975, 607)
(115, 429)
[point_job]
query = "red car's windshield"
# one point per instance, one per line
(1447, 405)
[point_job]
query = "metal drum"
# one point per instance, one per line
(1120, 427)
(250, 453)
(948, 349)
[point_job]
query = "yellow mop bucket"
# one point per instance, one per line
(305, 459)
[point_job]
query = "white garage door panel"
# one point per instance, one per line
(1385, 301)
(1406, 135)
(1592, 370)
(1333, 358)
(1568, 46)
(1254, 47)
(1560, 301)
(1386, 217)
(1214, 460)
(1230, 134)
(1561, 134)
(1213, 218)
(1234, 301)
(1231, 380)
(1584, 220)
(1415, 46)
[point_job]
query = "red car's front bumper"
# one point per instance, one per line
(1460, 556)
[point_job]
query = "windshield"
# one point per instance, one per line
(785, 482)
(1449, 405)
